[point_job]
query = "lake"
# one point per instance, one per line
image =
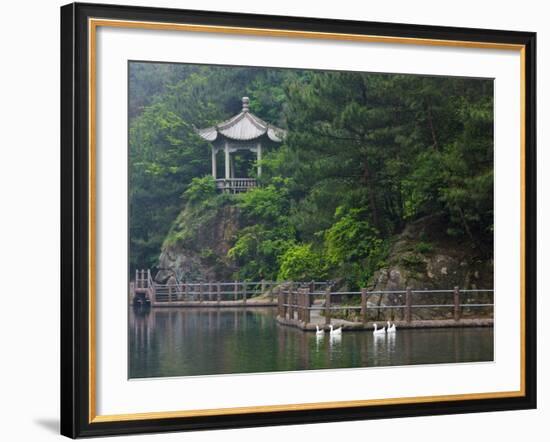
(208, 341)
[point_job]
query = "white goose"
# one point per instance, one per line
(319, 332)
(335, 332)
(377, 331)
(392, 328)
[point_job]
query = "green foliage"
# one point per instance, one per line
(200, 189)
(351, 237)
(267, 204)
(423, 247)
(353, 247)
(258, 247)
(301, 263)
(365, 154)
(257, 250)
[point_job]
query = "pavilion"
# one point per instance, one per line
(243, 132)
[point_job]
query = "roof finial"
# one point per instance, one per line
(245, 104)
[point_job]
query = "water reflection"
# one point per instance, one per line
(335, 340)
(334, 348)
(180, 342)
(390, 344)
(319, 339)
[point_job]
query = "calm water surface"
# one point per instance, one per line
(205, 341)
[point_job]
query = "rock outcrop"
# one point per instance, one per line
(196, 247)
(423, 256)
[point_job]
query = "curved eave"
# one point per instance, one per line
(276, 134)
(243, 127)
(208, 134)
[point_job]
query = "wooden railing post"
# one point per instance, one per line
(301, 303)
(291, 302)
(307, 312)
(327, 305)
(136, 280)
(263, 286)
(153, 294)
(244, 292)
(200, 291)
(364, 306)
(294, 302)
(285, 301)
(187, 291)
(304, 305)
(298, 302)
(408, 304)
(290, 310)
(219, 292)
(280, 303)
(456, 300)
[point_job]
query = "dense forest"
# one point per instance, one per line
(365, 155)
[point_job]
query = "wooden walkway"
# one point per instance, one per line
(312, 304)
(144, 290)
(306, 309)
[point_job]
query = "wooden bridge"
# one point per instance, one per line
(315, 303)
(145, 291)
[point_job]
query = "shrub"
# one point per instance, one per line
(423, 247)
(200, 189)
(301, 263)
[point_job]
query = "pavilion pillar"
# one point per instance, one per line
(259, 158)
(226, 161)
(214, 151)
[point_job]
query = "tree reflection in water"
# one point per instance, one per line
(208, 341)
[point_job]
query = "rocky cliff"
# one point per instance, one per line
(197, 245)
(423, 256)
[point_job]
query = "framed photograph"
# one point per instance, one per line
(275, 220)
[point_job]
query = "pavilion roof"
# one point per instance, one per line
(244, 126)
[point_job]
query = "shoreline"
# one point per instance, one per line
(369, 326)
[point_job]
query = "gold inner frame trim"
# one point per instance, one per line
(93, 24)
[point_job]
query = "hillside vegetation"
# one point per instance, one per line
(366, 156)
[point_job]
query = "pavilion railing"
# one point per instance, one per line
(235, 185)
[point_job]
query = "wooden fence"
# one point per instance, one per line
(306, 305)
(211, 291)
(296, 304)
(207, 292)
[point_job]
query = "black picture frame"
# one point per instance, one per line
(75, 221)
